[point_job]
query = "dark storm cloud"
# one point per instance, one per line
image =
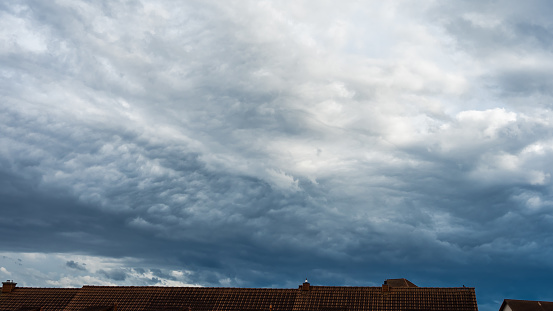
(212, 145)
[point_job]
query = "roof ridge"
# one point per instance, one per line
(62, 288)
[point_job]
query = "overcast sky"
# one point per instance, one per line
(254, 143)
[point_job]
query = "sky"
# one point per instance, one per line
(255, 143)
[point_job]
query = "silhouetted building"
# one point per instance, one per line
(526, 305)
(394, 294)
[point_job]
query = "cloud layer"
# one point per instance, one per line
(252, 143)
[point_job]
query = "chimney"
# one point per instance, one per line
(8, 286)
(305, 285)
(385, 287)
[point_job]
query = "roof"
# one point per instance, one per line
(304, 298)
(29, 298)
(527, 305)
(328, 298)
(184, 298)
(399, 283)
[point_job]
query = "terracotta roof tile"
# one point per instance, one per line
(28, 298)
(316, 298)
(373, 298)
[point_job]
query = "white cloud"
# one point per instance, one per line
(49, 270)
(281, 180)
(488, 122)
(5, 271)
(19, 35)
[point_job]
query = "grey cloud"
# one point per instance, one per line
(509, 40)
(248, 147)
(541, 34)
(161, 274)
(75, 265)
(525, 81)
(116, 275)
(139, 270)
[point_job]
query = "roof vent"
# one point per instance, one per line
(8, 286)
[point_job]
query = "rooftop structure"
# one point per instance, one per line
(526, 305)
(394, 294)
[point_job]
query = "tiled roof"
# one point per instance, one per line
(183, 298)
(28, 298)
(305, 298)
(527, 305)
(373, 298)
